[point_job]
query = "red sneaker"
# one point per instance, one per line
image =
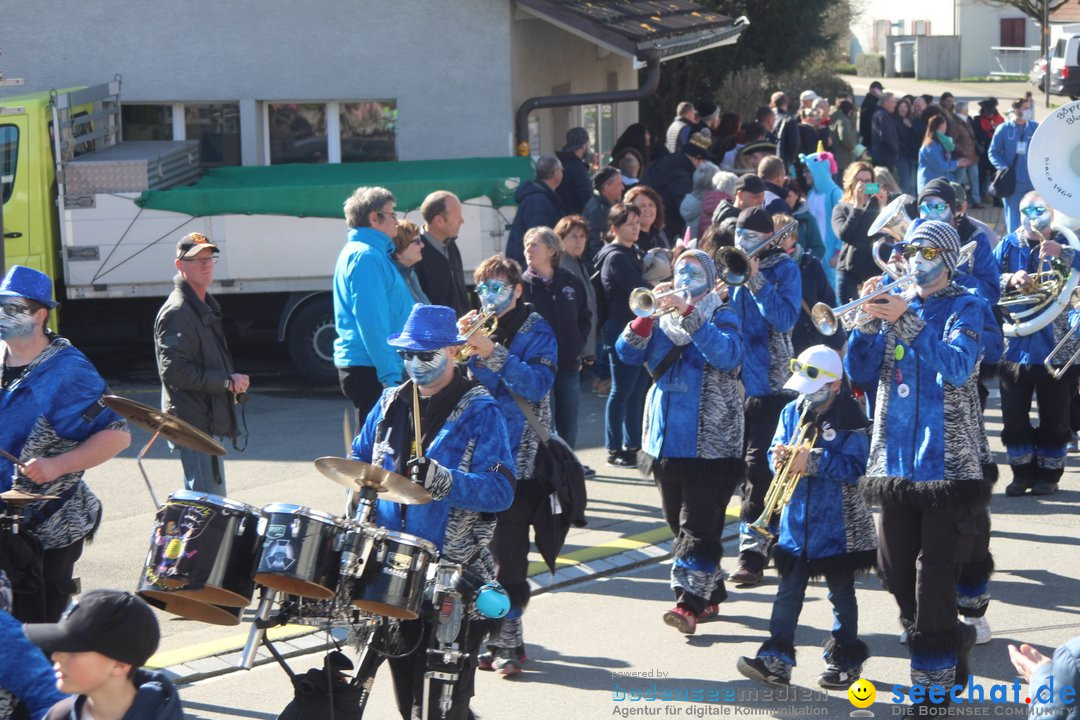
(682, 619)
(709, 613)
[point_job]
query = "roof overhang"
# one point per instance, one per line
(641, 29)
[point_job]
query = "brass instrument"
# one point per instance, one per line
(736, 262)
(644, 302)
(785, 481)
(485, 323)
(828, 320)
(893, 220)
(1040, 301)
(1057, 373)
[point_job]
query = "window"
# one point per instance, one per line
(368, 131)
(147, 122)
(9, 156)
(216, 126)
(599, 120)
(298, 133)
(1012, 32)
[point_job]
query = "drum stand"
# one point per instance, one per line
(142, 471)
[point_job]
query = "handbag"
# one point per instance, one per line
(558, 466)
(1004, 182)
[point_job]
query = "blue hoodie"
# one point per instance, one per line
(821, 199)
(371, 302)
(24, 671)
(155, 699)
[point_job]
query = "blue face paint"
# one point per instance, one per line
(16, 321)
(425, 373)
(496, 295)
(933, 208)
(820, 396)
(927, 272)
(750, 240)
(1035, 217)
(691, 276)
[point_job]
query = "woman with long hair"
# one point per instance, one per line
(851, 220)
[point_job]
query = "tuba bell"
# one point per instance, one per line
(893, 220)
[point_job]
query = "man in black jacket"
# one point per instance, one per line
(866, 112)
(576, 187)
(672, 176)
(537, 205)
(198, 382)
(885, 140)
(440, 272)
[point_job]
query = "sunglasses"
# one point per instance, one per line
(491, 288)
(810, 371)
(1034, 210)
(421, 355)
(933, 207)
(14, 309)
(929, 253)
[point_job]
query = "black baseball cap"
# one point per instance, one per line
(111, 622)
(750, 183)
(757, 219)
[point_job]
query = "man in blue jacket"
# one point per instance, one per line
(371, 300)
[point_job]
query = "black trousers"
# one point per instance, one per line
(920, 553)
(408, 672)
(361, 385)
(1019, 383)
(510, 545)
(762, 414)
(694, 495)
(58, 568)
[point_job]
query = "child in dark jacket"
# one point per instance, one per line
(826, 529)
(97, 650)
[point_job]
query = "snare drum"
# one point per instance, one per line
(392, 583)
(300, 552)
(203, 549)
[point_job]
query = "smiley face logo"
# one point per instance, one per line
(862, 693)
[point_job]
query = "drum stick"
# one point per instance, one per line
(346, 429)
(416, 421)
(18, 463)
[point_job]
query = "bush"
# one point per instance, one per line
(743, 92)
(867, 65)
(845, 69)
(818, 78)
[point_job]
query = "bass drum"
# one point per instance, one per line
(203, 548)
(301, 550)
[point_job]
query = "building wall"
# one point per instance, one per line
(980, 30)
(577, 66)
(445, 63)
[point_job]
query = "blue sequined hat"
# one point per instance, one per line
(429, 327)
(28, 283)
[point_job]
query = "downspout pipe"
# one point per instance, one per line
(521, 119)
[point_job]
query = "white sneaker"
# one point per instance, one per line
(982, 629)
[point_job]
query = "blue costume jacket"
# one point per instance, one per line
(1012, 254)
(827, 523)
(527, 368)
(694, 410)
(981, 273)
(767, 307)
(372, 301)
(50, 409)
(924, 450)
(472, 446)
(24, 672)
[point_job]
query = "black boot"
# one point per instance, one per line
(965, 641)
(1046, 481)
(1023, 479)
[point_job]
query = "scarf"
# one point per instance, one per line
(510, 323)
(397, 427)
(671, 323)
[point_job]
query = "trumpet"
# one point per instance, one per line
(828, 320)
(645, 302)
(485, 323)
(785, 481)
(1067, 338)
(736, 262)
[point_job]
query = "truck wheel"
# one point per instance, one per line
(310, 339)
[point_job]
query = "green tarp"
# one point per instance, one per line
(321, 190)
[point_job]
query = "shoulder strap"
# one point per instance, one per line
(665, 364)
(530, 416)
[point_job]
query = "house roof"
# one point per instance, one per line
(1067, 13)
(640, 29)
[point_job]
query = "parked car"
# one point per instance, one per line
(1064, 68)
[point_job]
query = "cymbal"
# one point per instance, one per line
(18, 497)
(171, 427)
(354, 475)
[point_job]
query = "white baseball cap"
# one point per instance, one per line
(815, 367)
(808, 95)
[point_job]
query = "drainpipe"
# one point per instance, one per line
(521, 118)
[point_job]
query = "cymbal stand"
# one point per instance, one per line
(138, 462)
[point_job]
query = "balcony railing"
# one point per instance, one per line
(1012, 60)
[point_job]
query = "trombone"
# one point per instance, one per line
(736, 262)
(1069, 337)
(485, 323)
(644, 302)
(785, 481)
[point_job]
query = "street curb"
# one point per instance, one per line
(629, 553)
